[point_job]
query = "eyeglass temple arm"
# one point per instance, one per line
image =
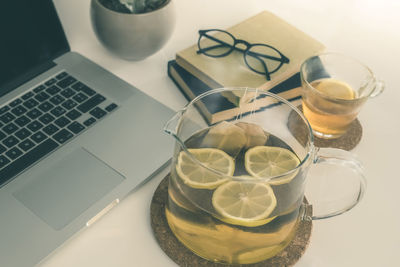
(267, 74)
(202, 50)
(283, 59)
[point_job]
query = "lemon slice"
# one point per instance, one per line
(244, 203)
(196, 176)
(270, 161)
(335, 88)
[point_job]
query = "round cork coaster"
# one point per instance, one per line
(186, 258)
(348, 141)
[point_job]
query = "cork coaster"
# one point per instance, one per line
(348, 141)
(185, 258)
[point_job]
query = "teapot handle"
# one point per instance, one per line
(337, 184)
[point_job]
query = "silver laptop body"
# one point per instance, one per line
(68, 189)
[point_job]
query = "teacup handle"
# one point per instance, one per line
(329, 164)
(379, 87)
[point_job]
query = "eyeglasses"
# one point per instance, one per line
(219, 43)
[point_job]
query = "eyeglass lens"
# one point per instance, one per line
(254, 56)
(216, 43)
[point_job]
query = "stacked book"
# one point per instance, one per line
(195, 73)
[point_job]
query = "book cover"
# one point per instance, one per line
(232, 71)
(217, 107)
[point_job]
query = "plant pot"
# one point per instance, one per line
(133, 36)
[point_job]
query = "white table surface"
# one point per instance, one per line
(369, 235)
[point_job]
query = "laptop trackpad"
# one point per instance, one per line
(63, 190)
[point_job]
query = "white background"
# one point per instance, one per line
(369, 235)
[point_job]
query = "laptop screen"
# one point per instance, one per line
(31, 36)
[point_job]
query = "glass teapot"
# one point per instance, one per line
(237, 189)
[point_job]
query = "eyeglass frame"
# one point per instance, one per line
(282, 60)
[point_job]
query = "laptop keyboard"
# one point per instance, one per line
(45, 118)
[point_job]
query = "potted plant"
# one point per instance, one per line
(133, 29)
(133, 6)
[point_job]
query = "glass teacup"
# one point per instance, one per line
(236, 190)
(334, 88)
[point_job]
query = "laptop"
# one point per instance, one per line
(74, 138)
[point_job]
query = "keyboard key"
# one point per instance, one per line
(84, 88)
(34, 113)
(34, 126)
(78, 86)
(26, 145)
(67, 81)
(63, 136)
(22, 121)
(39, 88)
(45, 106)
(69, 104)
(30, 103)
(53, 90)
(38, 137)
(15, 102)
(98, 113)
(3, 162)
(10, 128)
(19, 110)
(76, 127)
(111, 107)
(26, 160)
(22, 134)
(91, 103)
(27, 95)
(50, 129)
(13, 153)
(50, 82)
(2, 148)
(73, 114)
(46, 118)
(42, 96)
(62, 121)
(10, 141)
(4, 109)
(7, 117)
(2, 135)
(79, 97)
(89, 121)
(58, 111)
(61, 75)
(89, 91)
(57, 99)
(68, 92)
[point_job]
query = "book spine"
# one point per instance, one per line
(197, 73)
